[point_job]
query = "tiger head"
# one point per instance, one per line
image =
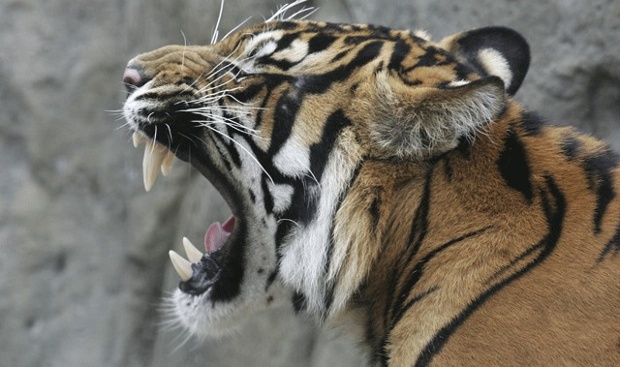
(281, 118)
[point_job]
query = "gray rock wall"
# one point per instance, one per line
(84, 264)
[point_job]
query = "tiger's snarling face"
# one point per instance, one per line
(280, 117)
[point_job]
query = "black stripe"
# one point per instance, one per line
(248, 93)
(613, 244)
(283, 121)
(329, 294)
(217, 143)
(430, 57)
(447, 168)
(374, 36)
(320, 42)
(532, 123)
(598, 169)
(419, 226)
(401, 308)
(320, 152)
(514, 166)
(230, 143)
(571, 147)
(285, 41)
(267, 197)
(226, 142)
(299, 302)
(554, 207)
(513, 262)
(177, 94)
(272, 277)
(270, 81)
(319, 83)
(283, 65)
(304, 201)
(340, 55)
(374, 211)
(306, 194)
(401, 50)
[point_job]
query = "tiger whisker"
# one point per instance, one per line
(233, 124)
(217, 24)
(236, 28)
(309, 10)
(288, 220)
(281, 12)
(184, 49)
(244, 149)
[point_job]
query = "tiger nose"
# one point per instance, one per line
(134, 78)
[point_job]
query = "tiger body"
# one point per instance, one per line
(383, 179)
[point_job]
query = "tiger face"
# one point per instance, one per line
(280, 118)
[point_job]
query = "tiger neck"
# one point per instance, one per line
(389, 201)
(431, 237)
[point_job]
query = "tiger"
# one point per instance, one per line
(391, 185)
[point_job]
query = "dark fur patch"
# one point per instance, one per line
(598, 169)
(613, 246)
(374, 210)
(401, 50)
(514, 166)
(571, 147)
(320, 83)
(319, 152)
(285, 41)
(299, 302)
(320, 42)
(532, 123)
(285, 114)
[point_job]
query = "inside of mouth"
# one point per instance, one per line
(198, 270)
(217, 234)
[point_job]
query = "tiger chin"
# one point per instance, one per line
(377, 176)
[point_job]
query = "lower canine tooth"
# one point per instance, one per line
(182, 266)
(193, 254)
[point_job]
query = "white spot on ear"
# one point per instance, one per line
(496, 64)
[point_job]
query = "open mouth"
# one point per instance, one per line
(213, 269)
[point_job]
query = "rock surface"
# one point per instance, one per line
(84, 250)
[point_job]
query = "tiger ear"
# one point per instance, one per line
(497, 51)
(422, 122)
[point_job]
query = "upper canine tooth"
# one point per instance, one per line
(182, 266)
(166, 165)
(193, 254)
(154, 155)
(137, 138)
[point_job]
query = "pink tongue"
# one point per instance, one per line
(217, 234)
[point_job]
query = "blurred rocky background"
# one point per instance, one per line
(83, 264)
